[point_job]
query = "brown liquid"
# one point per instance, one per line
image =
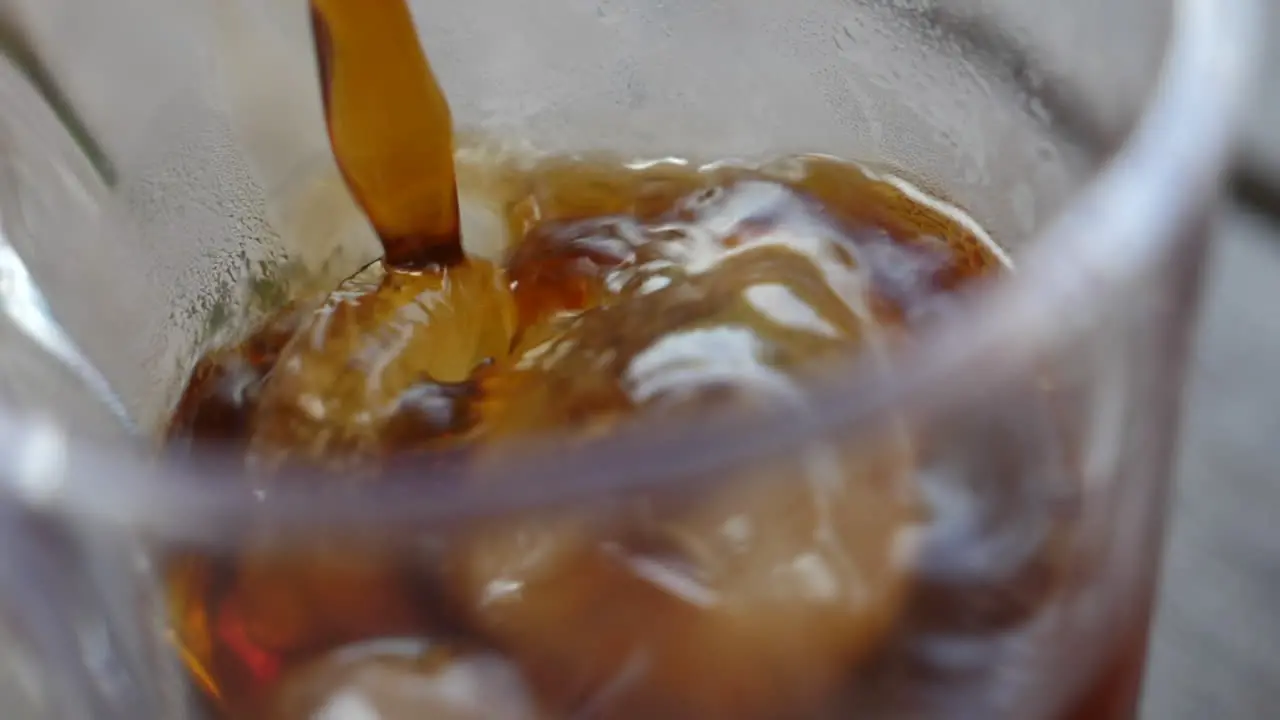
(858, 254)
(390, 128)
(669, 289)
(625, 289)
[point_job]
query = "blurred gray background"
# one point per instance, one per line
(1217, 645)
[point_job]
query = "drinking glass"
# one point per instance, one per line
(165, 182)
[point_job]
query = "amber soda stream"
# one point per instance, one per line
(390, 127)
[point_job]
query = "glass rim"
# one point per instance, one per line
(1123, 220)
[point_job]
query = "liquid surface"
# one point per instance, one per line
(624, 289)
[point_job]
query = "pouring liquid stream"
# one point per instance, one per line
(390, 128)
(371, 353)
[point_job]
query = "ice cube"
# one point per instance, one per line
(223, 394)
(752, 600)
(403, 679)
(347, 371)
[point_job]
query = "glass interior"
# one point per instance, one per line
(213, 192)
